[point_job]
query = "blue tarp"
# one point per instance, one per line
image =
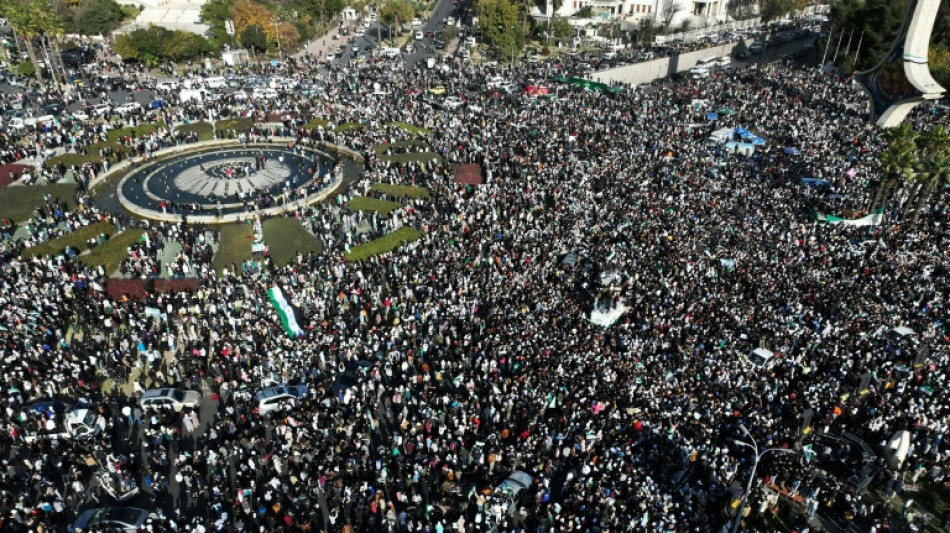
(791, 150)
(815, 182)
(712, 116)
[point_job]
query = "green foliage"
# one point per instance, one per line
(383, 244)
(316, 123)
(878, 20)
(285, 237)
(98, 16)
(500, 27)
(395, 13)
(236, 124)
(363, 203)
(410, 128)
(776, 9)
(254, 38)
(25, 68)
(204, 130)
(17, 203)
(347, 126)
(76, 240)
(401, 191)
(111, 253)
(561, 28)
(154, 44)
(71, 159)
(585, 12)
(134, 131)
(450, 33)
(234, 246)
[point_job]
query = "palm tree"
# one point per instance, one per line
(932, 173)
(897, 161)
(23, 20)
(936, 139)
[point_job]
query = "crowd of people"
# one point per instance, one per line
(435, 371)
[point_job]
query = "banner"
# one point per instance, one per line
(286, 312)
(873, 219)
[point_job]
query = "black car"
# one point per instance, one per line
(53, 109)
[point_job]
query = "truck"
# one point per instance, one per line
(77, 423)
(186, 95)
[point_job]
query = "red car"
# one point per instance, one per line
(429, 35)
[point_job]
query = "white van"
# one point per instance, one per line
(216, 83)
(707, 62)
(187, 95)
(389, 52)
(265, 93)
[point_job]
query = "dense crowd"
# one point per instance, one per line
(438, 369)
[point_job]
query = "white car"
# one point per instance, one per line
(272, 399)
(416, 22)
(167, 86)
(177, 399)
(699, 72)
(128, 108)
(79, 114)
(723, 61)
(760, 357)
(452, 103)
(101, 110)
(419, 36)
(330, 56)
(360, 30)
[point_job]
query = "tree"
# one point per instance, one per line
(396, 12)
(498, 22)
(26, 18)
(254, 38)
(776, 9)
(98, 16)
(561, 28)
(668, 10)
(932, 173)
(897, 161)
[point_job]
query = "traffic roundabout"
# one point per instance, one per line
(223, 182)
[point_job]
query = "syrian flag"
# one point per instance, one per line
(287, 312)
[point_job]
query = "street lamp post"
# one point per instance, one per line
(755, 465)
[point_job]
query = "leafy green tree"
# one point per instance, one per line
(214, 14)
(25, 69)
(561, 28)
(98, 16)
(932, 172)
(394, 13)
(776, 9)
(897, 161)
(498, 22)
(254, 38)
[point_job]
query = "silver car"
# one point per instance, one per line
(177, 399)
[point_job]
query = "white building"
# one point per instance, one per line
(699, 12)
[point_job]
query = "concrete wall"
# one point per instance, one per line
(649, 71)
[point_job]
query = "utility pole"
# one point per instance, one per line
(827, 44)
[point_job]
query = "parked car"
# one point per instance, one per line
(128, 519)
(177, 399)
(452, 103)
(419, 36)
(272, 399)
(128, 108)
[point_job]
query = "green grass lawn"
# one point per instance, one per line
(17, 203)
(236, 124)
(410, 128)
(401, 191)
(285, 237)
(93, 149)
(235, 246)
(140, 130)
(933, 498)
(383, 244)
(71, 159)
(76, 240)
(363, 203)
(423, 156)
(113, 252)
(347, 126)
(316, 123)
(204, 130)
